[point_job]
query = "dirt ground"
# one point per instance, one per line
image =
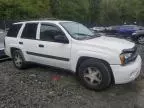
(36, 87)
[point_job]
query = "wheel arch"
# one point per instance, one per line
(12, 49)
(83, 58)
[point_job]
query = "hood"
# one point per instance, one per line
(112, 43)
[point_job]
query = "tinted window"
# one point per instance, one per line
(14, 29)
(29, 31)
(47, 32)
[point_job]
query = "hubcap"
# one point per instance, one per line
(141, 40)
(92, 75)
(17, 60)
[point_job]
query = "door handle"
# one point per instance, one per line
(41, 45)
(21, 43)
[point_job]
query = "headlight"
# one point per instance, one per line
(128, 55)
(124, 57)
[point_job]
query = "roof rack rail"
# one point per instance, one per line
(48, 19)
(39, 19)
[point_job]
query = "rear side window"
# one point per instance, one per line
(29, 31)
(14, 29)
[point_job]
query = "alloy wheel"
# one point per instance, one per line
(17, 60)
(92, 75)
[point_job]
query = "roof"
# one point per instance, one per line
(48, 21)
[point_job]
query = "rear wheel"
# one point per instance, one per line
(94, 74)
(18, 59)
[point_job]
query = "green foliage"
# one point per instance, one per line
(120, 11)
(23, 9)
(70, 10)
(90, 11)
(94, 10)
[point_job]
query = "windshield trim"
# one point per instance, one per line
(66, 30)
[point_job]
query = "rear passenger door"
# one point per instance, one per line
(28, 41)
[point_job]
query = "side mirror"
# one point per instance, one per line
(61, 39)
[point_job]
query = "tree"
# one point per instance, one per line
(23, 9)
(94, 10)
(87, 11)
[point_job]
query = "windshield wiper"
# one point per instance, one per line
(86, 36)
(83, 34)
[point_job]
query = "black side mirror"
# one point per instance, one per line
(61, 39)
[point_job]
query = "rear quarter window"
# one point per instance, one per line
(29, 31)
(14, 29)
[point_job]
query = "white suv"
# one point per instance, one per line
(97, 60)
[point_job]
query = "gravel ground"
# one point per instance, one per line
(35, 87)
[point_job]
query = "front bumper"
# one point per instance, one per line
(127, 73)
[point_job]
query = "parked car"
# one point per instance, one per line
(98, 29)
(97, 33)
(128, 30)
(138, 36)
(131, 32)
(112, 30)
(98, 61)
(2, 53)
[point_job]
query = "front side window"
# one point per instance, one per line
(29, 31)
(14, 29)
(77, 30)
(48, 32)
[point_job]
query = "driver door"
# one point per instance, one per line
(50, 51)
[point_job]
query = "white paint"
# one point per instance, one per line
(104, 48)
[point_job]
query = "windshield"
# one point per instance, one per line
(78, 31)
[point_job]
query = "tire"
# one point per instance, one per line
(101, 76)
(18, 59)
(140, 40)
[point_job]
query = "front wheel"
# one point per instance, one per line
(94, 74)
